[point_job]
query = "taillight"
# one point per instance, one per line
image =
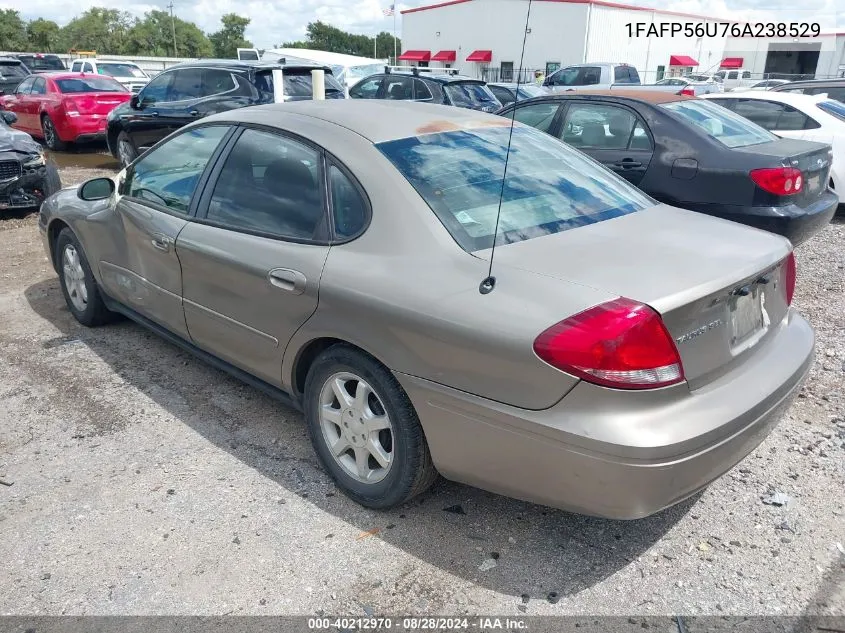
(689, 92)
(620, 343)
(789, 277)
(781, 181)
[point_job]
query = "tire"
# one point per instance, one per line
(52, 182)
(409, 469)
(51, 136)
(126, 151)
(78, 284)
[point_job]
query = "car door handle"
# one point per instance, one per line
(161, 242)
(153, 113)
(627, 163)
(194, 113)
(287, 279)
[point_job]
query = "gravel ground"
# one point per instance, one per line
(144, 482)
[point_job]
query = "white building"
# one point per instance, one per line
(483, 38)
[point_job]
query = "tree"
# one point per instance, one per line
(324, 37)
(384, 45)
(99, 29)
(43, 36)
(230, 37)
(154, 36)
(12, 31)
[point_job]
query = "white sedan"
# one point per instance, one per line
(791, 115)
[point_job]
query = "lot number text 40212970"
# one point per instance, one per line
(723, 29)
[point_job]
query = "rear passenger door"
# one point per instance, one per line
(611, 134)
(252, 260)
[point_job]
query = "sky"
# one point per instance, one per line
(277, 21)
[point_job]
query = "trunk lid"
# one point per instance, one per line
(718, 285)
(97, 102)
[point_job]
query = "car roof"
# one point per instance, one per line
(374, 119)
(646, 96)
(794, 99)
(808, 83)
(248, 63)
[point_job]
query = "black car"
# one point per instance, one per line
(192, 90)
(27, 177)
(834, 88)
(694, 154)
(12, 72)
(454, 90)
(41, 62)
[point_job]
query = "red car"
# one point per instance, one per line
(65, 108)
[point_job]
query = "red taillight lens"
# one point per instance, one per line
(689, 92)
(620, 343)
(781, 181)
(789, 277)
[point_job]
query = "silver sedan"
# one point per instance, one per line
(620, 356)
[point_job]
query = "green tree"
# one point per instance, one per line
(154, 36)
(12, 31)
(384, 45)
(230, 37)
(99, 29)
(324, 37)
(44, 36)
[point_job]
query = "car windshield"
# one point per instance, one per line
(550, 187)
(12, 71)
(120, 70)
(44, 62)
(297, 84)
(90, 83)
(729, 128)
(470, 95)
(833, 108)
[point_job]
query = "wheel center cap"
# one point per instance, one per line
(354, 428)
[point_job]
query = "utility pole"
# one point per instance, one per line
(173, 26)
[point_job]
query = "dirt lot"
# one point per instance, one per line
(137, 480)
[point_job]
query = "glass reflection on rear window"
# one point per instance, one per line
(727, 127)
(549, 187)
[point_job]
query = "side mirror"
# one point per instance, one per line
(9, 117)
(96, 189)
(135, 103)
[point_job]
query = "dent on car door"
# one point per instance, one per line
(251, 264)
(613, 135)
(141, 268)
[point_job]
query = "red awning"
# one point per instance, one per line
(480, 56)
(445, 56)
(415, 56)
(731, 62)
(682, 60)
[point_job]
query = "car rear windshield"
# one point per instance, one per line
(120, 70)
(470, 95)
(549, 188)
(90, 83)
(9, 70)
(42, 62)
(833, 108)
(727, 127)
(297, 84)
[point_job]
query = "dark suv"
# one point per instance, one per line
(41, 62)
(12, 72)
(192, 90)
(455, 90)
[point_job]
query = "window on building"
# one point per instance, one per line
(506, 72)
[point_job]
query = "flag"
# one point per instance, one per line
(388, 11)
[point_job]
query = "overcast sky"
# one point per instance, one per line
(275, 21)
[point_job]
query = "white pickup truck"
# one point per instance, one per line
(617, 76)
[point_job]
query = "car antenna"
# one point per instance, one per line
(489, 282)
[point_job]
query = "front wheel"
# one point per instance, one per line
(365, 430)
(126, 151)
(78, 284)
(51, 136)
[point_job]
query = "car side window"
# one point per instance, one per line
(421, 91)
(187, 84)
(595, 126)
(216, 81)
(76, 67)
(169, 174)
(502, 94)
(732, 75)
(349, 210)
(538, 115)
(158, 90)
(25, 86)
(746, 74)
(792, 119)
(87, 68)
(283, 179)
(398, 88)
(366, 89)
(763, 113)
(39, 86)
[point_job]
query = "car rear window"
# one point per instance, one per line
(470, 95)
(9, 70)
(549, 187)
(120, 70)
(833, 108)
(90, 83)
(729, 128)
(42, 62)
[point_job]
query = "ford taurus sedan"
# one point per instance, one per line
(624, 355)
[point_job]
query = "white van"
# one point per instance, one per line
(127, 73)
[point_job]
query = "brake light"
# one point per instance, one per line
(689, 92)
(790, 275)
(620, 343)
(781, 181)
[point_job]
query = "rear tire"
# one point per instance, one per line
(51, 136)
(126, 152)
(372, 445)
(78, 284)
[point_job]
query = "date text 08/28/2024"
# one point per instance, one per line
(723, 29)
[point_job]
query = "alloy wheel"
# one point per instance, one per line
(74, 277)
(49, 132)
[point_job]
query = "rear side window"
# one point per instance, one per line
(549, 187)
(763, 113)
(215, 82)
(76, 67)
(537, 115)
(832, 92)
(727, 127)
(625, 75)
(348, 207)
(421, 91)
(87, 68)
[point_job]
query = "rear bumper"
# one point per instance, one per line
(611, 453)
(83, 129)
(797, 224)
